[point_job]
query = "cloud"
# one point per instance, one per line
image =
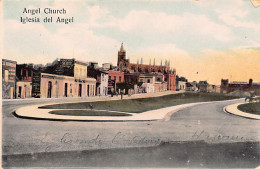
(158, 23)
(31, 40)
(233, 12)
(232, 21)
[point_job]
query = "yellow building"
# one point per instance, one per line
(79, 85)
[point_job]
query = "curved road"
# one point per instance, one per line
(205, 122)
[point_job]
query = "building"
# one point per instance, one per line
(203, 86)
(113, 78)
(107, 66)
(171, 81)
(151, 77)
(249, 86)
(24, 75)
(69, 79)
(131, 78)
(132, 70)
(191, 86)
(55, 86)
(124, 65)
(152, 82)
(8, 79)
(101, 79)
(181, 85)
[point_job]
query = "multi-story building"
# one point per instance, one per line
(124, 65)
(171, 81)
(66, 78)
(101, 78)
(113, 78)
(133, 70)
(8, 79)
(24, 75)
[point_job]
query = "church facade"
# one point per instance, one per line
(124, 65)
(134, 71)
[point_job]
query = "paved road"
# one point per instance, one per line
(203, 122)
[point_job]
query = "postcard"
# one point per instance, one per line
(130, 84)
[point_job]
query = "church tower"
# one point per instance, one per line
(121, 55)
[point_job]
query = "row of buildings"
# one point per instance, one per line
(74, 78)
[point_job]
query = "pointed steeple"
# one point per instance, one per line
(161, 62)
(137, 61)
(154, 61)
(150, 61)
(122, 47)
(141, 60)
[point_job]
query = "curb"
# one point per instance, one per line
(232, 109)
(29, 112)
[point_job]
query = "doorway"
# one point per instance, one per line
(80, 90)
(49, 89)
(20, 92)
(88, 90)
(66, 90)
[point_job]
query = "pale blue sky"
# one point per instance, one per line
(183, 31)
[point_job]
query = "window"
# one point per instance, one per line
(24, 72)
(29, 73)
(148, 80)
(109, 78)
(120, 78)
(80, 74)
(6, 75)
(102, 77)
(115, 78)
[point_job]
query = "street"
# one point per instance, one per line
(207, 125)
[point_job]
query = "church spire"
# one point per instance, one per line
(122, 47)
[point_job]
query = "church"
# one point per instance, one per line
(133, 71)
(125, 66)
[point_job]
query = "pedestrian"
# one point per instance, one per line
(121, 95)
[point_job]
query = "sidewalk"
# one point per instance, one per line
(94, 98)
(232, 109)
(33, 112)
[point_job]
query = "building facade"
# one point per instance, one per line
(249, 86)
(8, 79)
(68, 80)
(101, 79)
(114, 77)
(124, 65)
(171, 81)
(56, 86)
(133, 71)
(24, 75)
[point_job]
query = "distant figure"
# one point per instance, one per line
(91, 106)
(121, 95)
